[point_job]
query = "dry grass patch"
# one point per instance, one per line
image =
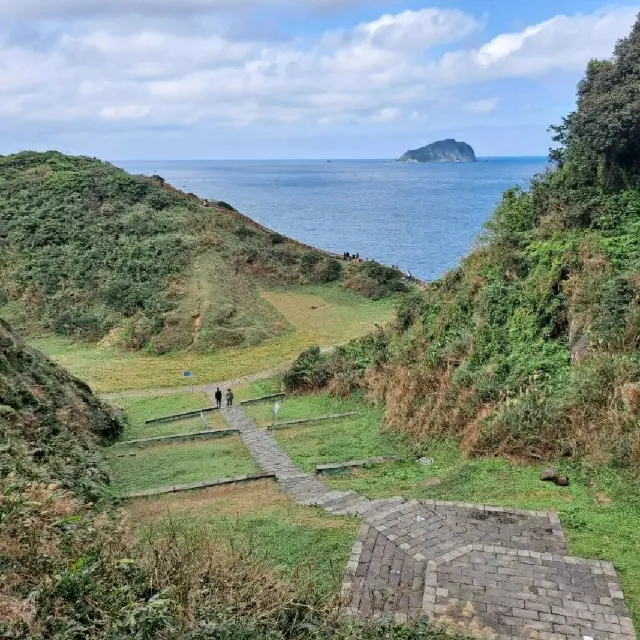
(262, 498)
(332, 314)
(304, 542)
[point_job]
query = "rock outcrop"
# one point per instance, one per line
(441, 151)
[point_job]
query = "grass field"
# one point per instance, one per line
(340, 316)
(139, 409)
(297, 539)
(177, 463)
(332, 313)
(354, 437)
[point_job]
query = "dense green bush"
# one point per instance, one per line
(329, 270)
(244, 232)
(309, 371)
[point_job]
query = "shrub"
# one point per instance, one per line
(309, 371)
(328, 270)
(276, 238)
(308, 262)
(244, 232)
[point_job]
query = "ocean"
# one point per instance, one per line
(421, 217)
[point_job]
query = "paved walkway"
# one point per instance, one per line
(485, 572)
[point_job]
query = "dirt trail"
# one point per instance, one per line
(206, 388)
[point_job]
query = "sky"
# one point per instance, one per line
(279, 79)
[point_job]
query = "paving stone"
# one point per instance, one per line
(516, 604)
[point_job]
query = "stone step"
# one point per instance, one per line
(348, 506)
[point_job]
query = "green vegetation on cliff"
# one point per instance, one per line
(530, 348)
(90, 252)
(50, 422)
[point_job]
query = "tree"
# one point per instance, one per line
(601, 138)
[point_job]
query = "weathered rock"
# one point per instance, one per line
(549, 475)
(580, 349)
(578, 340)
(562, 481)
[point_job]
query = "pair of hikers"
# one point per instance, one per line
(218, 397)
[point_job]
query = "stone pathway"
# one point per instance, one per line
(485, 572)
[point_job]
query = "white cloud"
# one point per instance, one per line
(387, 114)
(561, 43)
(158, 75)
(124, 112)
(483, 106)
(415, 31)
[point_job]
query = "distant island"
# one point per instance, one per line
(441, 151)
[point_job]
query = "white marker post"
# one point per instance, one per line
(187, 374)
(276, 408)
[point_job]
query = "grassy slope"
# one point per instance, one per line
(340, 315)
(351, 438)
(305, 541)
(140, 409)
(91, 252)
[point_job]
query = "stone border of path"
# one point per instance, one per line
(145, 493)
(213, 433)
(350, 464)
(271, 396)
(196, 412)
(292, 423)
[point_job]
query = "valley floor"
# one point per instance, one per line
(599, 511)
(318, 315)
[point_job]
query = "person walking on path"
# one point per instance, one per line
(218, 396)
(229, 398)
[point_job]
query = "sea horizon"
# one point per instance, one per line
(421, 217)
(322, 159)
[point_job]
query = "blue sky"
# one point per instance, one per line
(161, 79)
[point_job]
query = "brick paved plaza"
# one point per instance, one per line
(481, 571)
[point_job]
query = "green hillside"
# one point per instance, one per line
(530, 348)
(90, 252)
(50, 422)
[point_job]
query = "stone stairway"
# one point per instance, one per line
(481, 571)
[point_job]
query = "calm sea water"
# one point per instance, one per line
(421, 217)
